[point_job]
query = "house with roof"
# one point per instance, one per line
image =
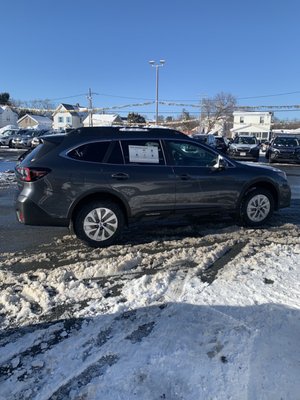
(7, 116)
(103, 120)
(68, 116)
(257, 123)
(29, 121)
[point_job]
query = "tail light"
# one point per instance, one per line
(28, 174)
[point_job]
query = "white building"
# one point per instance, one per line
(103, 120)
(217, 129)
(68, 116)
(7, 116)
(35, 122)
(255, 123)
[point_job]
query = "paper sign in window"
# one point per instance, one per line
(143, 154)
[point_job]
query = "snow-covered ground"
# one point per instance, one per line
(179, 313)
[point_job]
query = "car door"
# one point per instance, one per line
(199, 184)
(143, 178)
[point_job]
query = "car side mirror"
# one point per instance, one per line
(220, 163)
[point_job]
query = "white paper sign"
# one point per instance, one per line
(146, 154)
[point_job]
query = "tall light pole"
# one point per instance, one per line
(156, 66)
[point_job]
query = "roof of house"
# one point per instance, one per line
(250, 128)
(40, 119)
(106, 118)
(4, 107)
(73, 109)
(252, 113)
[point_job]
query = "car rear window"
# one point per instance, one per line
(94, 152)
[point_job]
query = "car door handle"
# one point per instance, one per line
(120, 176)
(185, 177)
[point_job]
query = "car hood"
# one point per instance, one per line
(243, 146)
(286, 148)
(262, 166)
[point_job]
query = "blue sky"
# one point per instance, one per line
(60, 48)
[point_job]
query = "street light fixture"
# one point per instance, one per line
(156, 66)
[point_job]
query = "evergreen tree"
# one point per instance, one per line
(135, 118)
(4, 98)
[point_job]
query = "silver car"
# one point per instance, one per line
(23, 139)
(6, 137)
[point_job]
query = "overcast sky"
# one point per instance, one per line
(59, 49)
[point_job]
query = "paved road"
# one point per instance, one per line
(16, 237)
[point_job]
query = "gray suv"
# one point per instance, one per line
(97, 180)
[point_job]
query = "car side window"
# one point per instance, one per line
(114, 155)
(94, 152)
(190, 154)
(143, 151)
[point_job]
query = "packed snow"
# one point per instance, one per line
(186, 312)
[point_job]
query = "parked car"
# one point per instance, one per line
(23, 139)
(284, 148)
(7, 136)
(36, 140)
(222, 144)
(96, 180)
(244, 148)
(264, 144)
(208, 139)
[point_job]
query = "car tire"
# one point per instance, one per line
(99, 223)
(256, 208)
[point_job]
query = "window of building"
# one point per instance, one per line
(68, 120)
(242, 120)
(60, 119)
(261, 120)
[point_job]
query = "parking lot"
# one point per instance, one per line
(206, 299)
(17, 237)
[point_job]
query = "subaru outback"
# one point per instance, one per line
(98, 180)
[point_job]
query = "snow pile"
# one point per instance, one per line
(213, 317)
(7, 179)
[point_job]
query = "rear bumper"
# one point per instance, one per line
(29, 213)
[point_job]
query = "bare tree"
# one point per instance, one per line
(218, 110)
(38, 107)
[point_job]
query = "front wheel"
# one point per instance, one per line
(256, 208)
(99, 223)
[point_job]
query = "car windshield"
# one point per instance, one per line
(286, 142)
(8, 133)
(245, 140)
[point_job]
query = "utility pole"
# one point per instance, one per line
(203, 97)
(90, 99)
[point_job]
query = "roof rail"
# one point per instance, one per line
(133, 129)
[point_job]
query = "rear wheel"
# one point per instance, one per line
(99, 223)
(257, 207)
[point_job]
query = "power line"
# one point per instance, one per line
(268, 95)
(151, 99)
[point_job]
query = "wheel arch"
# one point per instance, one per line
(104, 196)
(266, 185)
